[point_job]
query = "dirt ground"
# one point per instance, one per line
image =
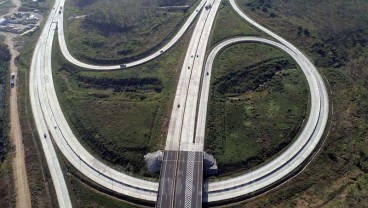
(23, 198)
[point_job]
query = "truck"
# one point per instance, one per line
(12, 78)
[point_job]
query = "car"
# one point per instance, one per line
(161, 51)
(44, 135)
(122, 66)
(207, 73)
(178, 105)
(197, 55)
(188, 67)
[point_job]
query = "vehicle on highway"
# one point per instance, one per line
(122, 66)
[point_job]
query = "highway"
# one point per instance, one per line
(183, 163)
(39, 62)
(50, 120)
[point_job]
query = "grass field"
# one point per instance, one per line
(101, 44)
(253, 86)
(121, 115)
(228, 24)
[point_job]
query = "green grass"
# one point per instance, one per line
(7, 191)
(4, 6)
(228, 24)
(87, 197)
(248, 94)
(120, 122)
(90, 43)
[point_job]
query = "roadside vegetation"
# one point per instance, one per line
(85, 193)
(39, 180)
(30, 5)
(121, 115)
(229, 24)
(113, 31)
(4, 6)
(7, 196)
(40, 183)
(253, 85)
(334, 34)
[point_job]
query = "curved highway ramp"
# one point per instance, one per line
(181, 176)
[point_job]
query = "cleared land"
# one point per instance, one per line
(253, 86)
(110, 33)
(334, 35)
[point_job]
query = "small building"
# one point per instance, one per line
(3, 21)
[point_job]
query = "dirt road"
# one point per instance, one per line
(23, 198)
(19, 167)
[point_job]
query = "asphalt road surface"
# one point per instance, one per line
(182, 166)
(184, 191)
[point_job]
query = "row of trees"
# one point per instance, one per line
(120, 15)
(252, 77)
(123, 84)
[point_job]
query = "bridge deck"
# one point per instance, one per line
(181, 180)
